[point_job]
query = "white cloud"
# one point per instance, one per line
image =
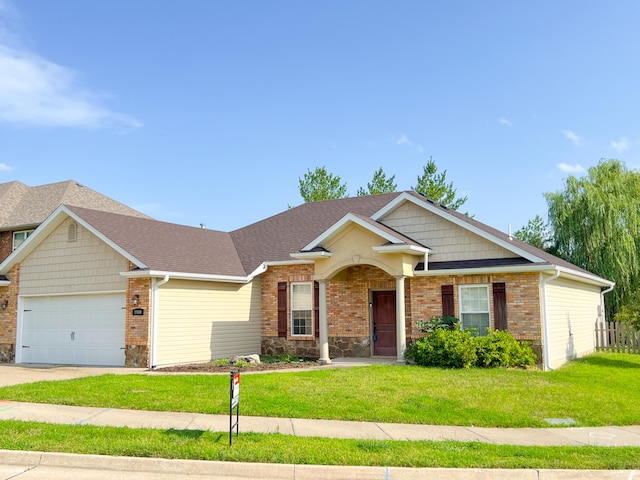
(36, 91)
(505, 121)
(577, 168)
(3, 166)
(620, 145)
(404, 140)
(574, 137)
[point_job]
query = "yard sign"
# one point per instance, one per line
(234, 402)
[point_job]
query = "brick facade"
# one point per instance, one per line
(348, 314)
(8, 316)
(137, 327)
(6, 245)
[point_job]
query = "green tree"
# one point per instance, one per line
(434, 186)
(630, 311)
(535, 232)
(379, 184)
(596, 225)
(321, 185)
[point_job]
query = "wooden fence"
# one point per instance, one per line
(617, 337)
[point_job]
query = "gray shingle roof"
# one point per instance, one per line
(166, 246)
(169, 247)
(26, 207)
(275, 238)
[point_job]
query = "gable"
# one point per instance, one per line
(447, 241)
(355, 245)
(58, 265)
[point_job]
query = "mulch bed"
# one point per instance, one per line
(213, 368)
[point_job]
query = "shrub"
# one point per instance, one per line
(286, 358)
(435, 323)
(445, 348)
(500, 349)
(460, 349)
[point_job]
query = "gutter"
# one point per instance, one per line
(155, 284)
(545, 329)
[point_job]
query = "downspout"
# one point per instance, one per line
(604, 316)
(545, 329)
(154, 317)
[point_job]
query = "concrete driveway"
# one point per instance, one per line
(11, 374)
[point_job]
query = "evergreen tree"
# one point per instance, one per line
(321, 185)
(434, 186)
(379, 184)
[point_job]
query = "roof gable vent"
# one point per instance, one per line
(72, 232)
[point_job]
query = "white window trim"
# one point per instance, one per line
(13, 237)
(291, 310)
(488, 311)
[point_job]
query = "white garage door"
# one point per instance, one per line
(74, 330)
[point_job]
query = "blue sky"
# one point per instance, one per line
(210, 111)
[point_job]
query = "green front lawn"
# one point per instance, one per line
(276, 448)
(599, 390)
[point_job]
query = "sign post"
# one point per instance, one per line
(234, 402)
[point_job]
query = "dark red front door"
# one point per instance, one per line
(384, 323)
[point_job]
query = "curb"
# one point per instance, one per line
(267, 471)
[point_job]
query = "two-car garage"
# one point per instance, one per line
(73, 329)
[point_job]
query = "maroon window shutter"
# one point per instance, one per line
(316, 309)
(499, 306)
(447, 301)
(282, 309)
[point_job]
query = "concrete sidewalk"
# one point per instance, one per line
(595, 436)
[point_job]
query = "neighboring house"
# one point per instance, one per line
(338, 278)
(23, 208)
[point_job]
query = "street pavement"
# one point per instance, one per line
(39, 465)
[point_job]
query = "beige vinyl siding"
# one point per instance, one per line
(60, 266)
(203, 321)
(448, 241)
(572, 311)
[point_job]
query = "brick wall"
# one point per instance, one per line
(8, 316)
(6, 245)
(348, 305)
(137, 327)
(347, 310)
(522, 292)
(269, 293)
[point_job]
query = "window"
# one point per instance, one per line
(19, 237)
(302, 308)
(474, 308)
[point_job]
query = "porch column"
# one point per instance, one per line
(401, 323)
(324, 328)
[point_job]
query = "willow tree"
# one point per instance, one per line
(596, 226)
(379, 184)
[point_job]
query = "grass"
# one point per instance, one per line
(276, 448)
(595, 391)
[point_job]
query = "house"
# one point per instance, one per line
(338, 278)
(23, 208)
